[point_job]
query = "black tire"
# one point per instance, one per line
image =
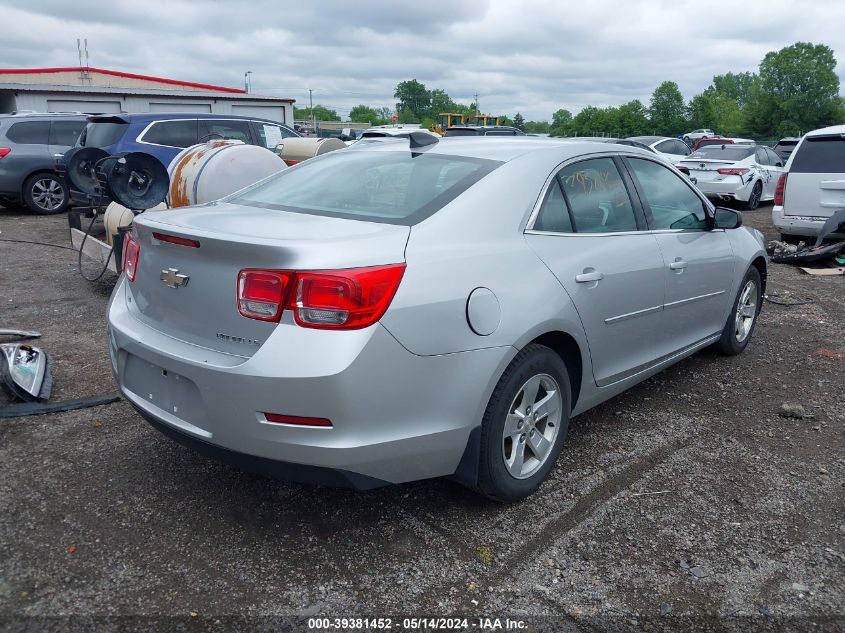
(754, 198)
(534, 362)
(730, 344)
(45, 193)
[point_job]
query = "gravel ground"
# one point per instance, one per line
(104, 518)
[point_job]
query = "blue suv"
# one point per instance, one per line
(165, 135)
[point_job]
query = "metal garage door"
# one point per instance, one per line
(273, 113)
(92, 106)
(177, 106)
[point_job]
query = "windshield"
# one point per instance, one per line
(101, 134)
(392, 187)
(723, 152)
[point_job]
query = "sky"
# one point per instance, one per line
(518, 55)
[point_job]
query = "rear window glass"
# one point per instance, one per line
(102, 134)
(29, 132)
(391, 187)
(66, 132)
(820, 155)
(461, 132)
(724, 152)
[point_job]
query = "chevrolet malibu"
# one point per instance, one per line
(411, 308)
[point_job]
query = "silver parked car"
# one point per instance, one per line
(410, 308)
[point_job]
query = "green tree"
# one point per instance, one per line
(413, 98)
(561, 118)
(321, 113)
(440, 102)
(364, 114)
(667, 111)
(737, 86)
(631, 119)
(519, 121)
(537, 127)
(798, 89)
(716, 110)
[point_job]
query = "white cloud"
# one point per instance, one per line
(527, 56)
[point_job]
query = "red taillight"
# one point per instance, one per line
(4, 151)
(682, 169)
(173, 239)
(131, 250)
(733, 171)
(278, 418)
(780, 190)
(290, 162)
(261, 293)
(344, 299)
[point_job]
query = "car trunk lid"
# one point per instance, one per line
(189, 291)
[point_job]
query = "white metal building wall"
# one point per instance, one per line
(44, 101)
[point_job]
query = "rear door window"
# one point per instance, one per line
(820, 155)
(181, 133)
(210, 129)
(597, 197)
(29, 132)
(554, 213)
(66, 132)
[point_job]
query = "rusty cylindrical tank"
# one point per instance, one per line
(210, 171)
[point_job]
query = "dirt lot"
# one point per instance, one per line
(104, 517)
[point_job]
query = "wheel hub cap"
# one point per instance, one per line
(531, 426)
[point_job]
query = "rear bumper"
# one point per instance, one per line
(396, 416)
(730, 188)
(805, 225)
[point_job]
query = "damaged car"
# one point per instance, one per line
(420, 307)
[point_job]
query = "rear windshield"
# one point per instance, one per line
(390, 187)
(820, 155)
(102, 134)
(786, 143)
(723, 152)
(461, 132)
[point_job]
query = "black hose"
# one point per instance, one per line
(82, 245)
(41, 408)
(70, 248)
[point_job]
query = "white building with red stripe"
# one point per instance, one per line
(97, 90)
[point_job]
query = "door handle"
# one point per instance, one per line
(589, 275)
(678, 264)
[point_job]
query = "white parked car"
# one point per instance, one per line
(746, 173)
(692, 137)
(399, 129)
(813, 188)
(672, 149)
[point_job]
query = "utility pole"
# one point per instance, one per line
(248, 81)
(477, 107)
(311, 102)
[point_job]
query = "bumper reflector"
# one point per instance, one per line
(278, 418)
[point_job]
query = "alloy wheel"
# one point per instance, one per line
(48, 194)
(531, 426)
(746, 311)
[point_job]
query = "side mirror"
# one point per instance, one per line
(279, 149)
(725, 218)
(25, 371)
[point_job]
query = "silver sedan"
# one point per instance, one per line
(414, 308)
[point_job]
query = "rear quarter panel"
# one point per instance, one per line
(477, 241)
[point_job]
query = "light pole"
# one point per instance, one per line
(311, 105)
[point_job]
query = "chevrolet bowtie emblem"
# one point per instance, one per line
(173, 278)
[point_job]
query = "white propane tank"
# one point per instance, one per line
(210, 171)
(117, 216)
(295, 150)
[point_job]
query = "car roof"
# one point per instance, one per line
(501, 148)
(129, 117)
(833, 129)
(648, 140)
(23, 116)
